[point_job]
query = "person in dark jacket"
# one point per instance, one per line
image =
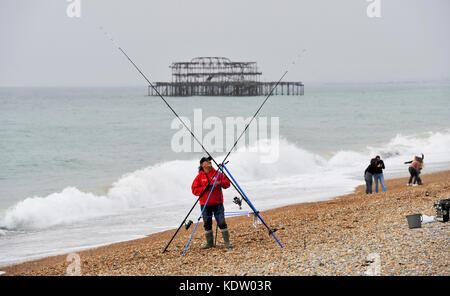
(368, 175)
(378, 176)
(214, 205)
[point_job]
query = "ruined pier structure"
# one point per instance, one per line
(218, 76)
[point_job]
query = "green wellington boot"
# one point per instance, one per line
(209, 240)
(226, 238)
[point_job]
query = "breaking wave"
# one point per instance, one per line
(169, 183)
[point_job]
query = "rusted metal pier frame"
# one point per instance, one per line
(219, 76)
(235, 89)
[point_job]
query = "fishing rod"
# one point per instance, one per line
(164, 100)
(179, 118)
(237, 188)
(200, 143)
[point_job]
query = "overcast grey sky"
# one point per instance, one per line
(42, 46)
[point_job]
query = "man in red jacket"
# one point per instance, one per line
(214, 206)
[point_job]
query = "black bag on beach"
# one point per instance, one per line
(442, 210)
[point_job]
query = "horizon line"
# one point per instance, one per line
(312, 82)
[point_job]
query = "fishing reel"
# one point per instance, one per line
(238, 201)
(188, 224)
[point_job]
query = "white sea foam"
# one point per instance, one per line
(297, 176)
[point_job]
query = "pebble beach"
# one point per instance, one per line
(351, 235)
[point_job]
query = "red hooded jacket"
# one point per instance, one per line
(200, 183)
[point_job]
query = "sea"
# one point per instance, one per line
(82, 167)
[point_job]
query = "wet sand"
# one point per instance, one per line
(349, 235)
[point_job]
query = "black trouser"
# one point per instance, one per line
(219, 213)
(414, 174)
